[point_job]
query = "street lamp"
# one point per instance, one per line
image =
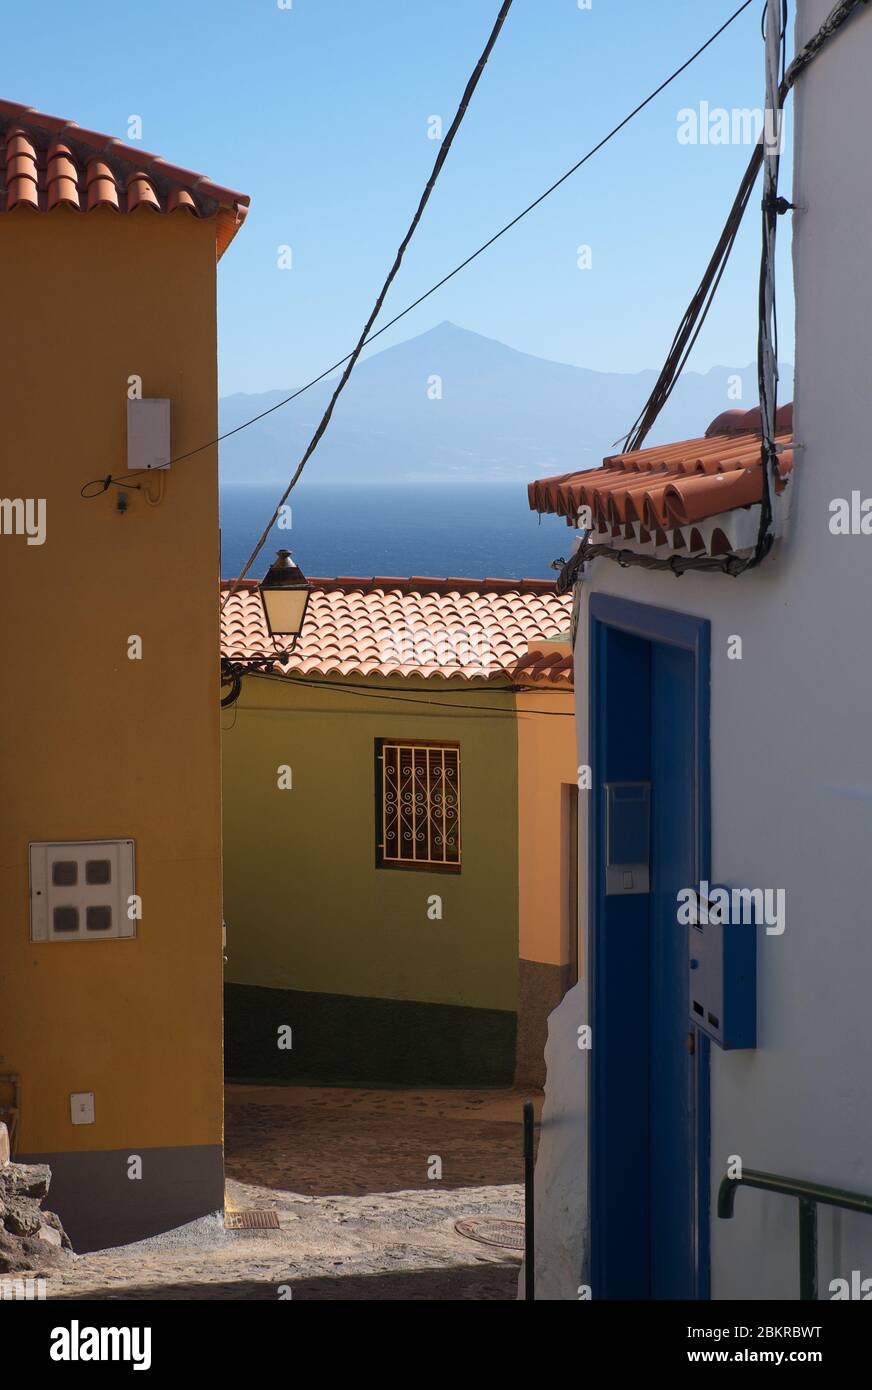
(284, 591)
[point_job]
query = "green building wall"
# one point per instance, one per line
(343, 954)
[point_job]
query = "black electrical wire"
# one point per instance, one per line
(102, 484)
(490, 689)
(97, 486)
(767, 322)
(696, 313)
(366, 692)
(234, 680)
(441, 158)
(688, 332)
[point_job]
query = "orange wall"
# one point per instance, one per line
(93, 745)
(546, 759)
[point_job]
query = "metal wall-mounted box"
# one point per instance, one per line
(628, 837)
(81, 890)
(722, 961)
(148, 434)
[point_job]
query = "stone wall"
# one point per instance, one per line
(30, 1238)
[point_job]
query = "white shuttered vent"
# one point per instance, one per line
(81, 890)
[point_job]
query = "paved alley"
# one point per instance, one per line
(352, 1177)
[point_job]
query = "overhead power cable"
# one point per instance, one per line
(367, 693)
(694, 317)
(696, 313)
(99, 485)
(441, 157)
(775, 37)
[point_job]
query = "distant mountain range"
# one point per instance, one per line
(503, 416)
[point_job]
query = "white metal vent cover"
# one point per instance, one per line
(80, 890)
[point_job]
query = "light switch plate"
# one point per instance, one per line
(82, 1107)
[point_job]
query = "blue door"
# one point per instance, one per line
(649, 1067)
(670, 1063)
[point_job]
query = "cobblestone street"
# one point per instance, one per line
(346, 1173)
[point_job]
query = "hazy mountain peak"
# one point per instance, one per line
(453, 405)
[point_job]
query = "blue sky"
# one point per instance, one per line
(320, 113)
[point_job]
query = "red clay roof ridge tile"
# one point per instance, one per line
(647, 497)
(414, 584)
(100, 170)
(464, 629)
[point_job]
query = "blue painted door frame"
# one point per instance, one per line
(649, 1099)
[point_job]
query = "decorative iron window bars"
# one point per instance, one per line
(418, 805)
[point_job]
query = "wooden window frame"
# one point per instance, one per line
(430, 866)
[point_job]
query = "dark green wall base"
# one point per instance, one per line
(339, 1039)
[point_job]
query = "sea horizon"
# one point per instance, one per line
(469, 530)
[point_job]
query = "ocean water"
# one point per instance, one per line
(467, 531)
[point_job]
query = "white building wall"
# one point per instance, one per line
(791, 747)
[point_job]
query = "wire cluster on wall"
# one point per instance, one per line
(773, 206)
(232, 673)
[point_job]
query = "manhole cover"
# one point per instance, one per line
(251, 1221)
(493, 1231)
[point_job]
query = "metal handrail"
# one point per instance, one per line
(809, 1195)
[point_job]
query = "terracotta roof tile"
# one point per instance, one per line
(47, 162)
(550, 664)
(468, 628)
(652, 492)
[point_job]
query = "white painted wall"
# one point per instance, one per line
(791, 749)
(560, 1189)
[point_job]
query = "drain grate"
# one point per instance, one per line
(509, 1235)
(251, 1221)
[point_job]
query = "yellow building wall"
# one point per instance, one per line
(92, 744)
(306, 906)
(546, 765)
(309, 913)
(547, 909)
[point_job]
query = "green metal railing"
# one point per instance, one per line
(809, 1195)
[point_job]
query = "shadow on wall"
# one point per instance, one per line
(541, 987)
(561, 1168)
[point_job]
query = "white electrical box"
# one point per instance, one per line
(82, 1107)
(148, 434)
(82, 890)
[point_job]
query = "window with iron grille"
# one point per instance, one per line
(418, 805)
